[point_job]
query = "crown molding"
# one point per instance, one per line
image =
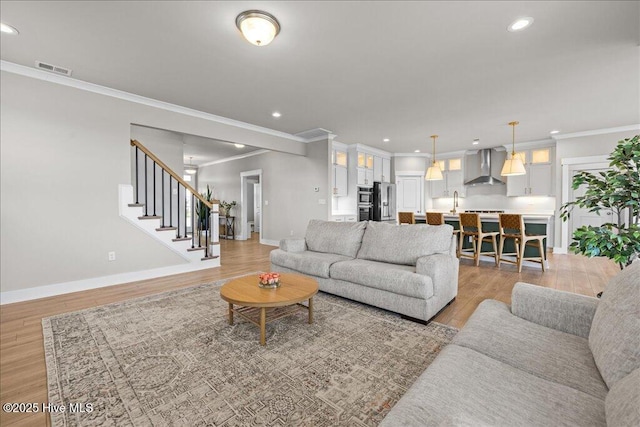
(629, 128)
(427, 155)
(232, 158)
(369, 150)
(34, 73)
(317, 134)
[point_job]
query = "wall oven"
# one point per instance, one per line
(365, 213)
(365, 195)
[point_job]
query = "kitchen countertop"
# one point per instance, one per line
(540, 216)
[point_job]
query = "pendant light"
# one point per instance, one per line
(258, 27)
(514, 165)
(434, 173)
(191, 169)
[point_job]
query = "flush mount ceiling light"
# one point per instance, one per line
(191, 169)
(514, 165)
(434, 173)
(520, 24)
(8, 29)
(239, 145)
(258, 27)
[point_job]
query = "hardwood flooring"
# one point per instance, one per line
(22, 366)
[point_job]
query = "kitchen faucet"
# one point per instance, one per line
(455, 202)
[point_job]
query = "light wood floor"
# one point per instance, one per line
(22, 365)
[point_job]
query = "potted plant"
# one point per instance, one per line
(618, 191)
(226, 207)
(202, 210)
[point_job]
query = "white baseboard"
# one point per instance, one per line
(9, 297)
(560, 250)
(269, 242)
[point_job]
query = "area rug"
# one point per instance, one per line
(172, 359)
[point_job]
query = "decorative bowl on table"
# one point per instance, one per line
(269, 280)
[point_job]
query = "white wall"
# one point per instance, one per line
(288, 183)
(64, 152)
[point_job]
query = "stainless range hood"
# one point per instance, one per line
(485, 177)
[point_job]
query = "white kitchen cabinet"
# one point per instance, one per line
(365, 176)
(453, 179)
(339, 157)
(538, 181)
(386, 170)
(339, 181)
(377, 168)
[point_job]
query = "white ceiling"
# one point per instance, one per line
(364, 70)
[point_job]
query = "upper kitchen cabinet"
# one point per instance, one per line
(339, 176)
(372, 165)
(453, 179)
(538, 181)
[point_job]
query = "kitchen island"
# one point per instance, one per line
(534, 223)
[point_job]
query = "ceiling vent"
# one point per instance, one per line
(53, 68)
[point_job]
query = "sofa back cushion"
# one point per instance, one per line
(342, 238)
(404, 244)
(614, 338)
(622, 404)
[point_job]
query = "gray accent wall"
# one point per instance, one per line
(65, 151)
(288, 183)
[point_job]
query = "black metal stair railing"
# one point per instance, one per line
(146, 192)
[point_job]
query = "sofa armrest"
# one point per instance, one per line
(293, 245)
(554, 309)
(443, 270)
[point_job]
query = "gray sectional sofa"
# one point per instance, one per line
(411, 270)
(550, 359)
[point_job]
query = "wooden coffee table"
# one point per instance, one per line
(253, 301)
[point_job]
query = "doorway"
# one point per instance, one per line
(250, 221)
(579, 217)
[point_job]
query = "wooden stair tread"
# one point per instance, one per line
(209, 257)
(150, 217)
(166, 228)
(201, 248)
(180, 239)
(136, 205)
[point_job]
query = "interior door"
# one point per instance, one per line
(257, 202)
(410, 192)
(582, 217)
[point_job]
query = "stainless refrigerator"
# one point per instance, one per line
(384, 202)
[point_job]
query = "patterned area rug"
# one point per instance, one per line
(172, 359)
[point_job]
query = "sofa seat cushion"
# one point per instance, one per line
(470, 387)
(342, 238)
(404, 244)
(307, 262)
(398, 279)
(549, 354)
(615, 331)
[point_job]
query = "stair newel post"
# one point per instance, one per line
(146, 187)
(154, 189)
(207, 232)
(178, 185)
(193, 221)
(186, 195)
(162, 220)
(170, 201)
(137, 184)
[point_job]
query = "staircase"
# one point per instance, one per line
(164, 206)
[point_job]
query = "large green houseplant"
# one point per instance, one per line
(618, 191)
(203, 210)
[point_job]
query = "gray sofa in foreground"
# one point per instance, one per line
(550, 359)
(411, 270)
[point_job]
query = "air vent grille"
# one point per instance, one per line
(53, 68)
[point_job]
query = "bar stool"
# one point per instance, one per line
(406, 218)
(437, 218)
(470, 225)
(512, 227)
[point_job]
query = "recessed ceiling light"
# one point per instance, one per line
(417, 151)
(476, 141)
(520, 24)
(385, 140)
(276, 114)
(239, 145)
(553, 132)
(8, 29)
